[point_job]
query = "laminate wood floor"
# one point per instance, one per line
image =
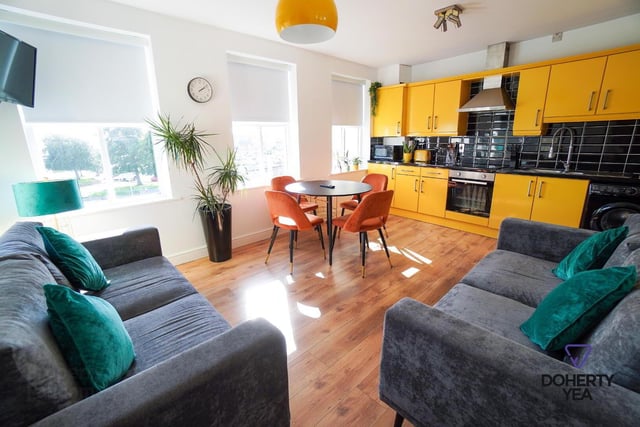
(332, 317)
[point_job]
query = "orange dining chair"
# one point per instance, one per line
(278, 183)
(369, 215)
(286, 213)
(378, 182)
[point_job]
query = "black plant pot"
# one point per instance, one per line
(217, 233)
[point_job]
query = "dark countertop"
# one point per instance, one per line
(605, 177)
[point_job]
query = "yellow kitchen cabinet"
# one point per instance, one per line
(432, 109)
(573, 88)
(538, 198)
(384, 169)
(407, 184)
(432, 199)
(620, 93)
(532, 92)
(389, 119)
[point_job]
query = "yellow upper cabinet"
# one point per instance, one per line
(620, 91)
(532, 92)
(420, 109)
(574, 87)
(389, 118)
(432, 109)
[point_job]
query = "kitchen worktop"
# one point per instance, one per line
(590, 175)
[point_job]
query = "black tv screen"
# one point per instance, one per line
(17, 70)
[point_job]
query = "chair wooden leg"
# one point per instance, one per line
(292, 240)
(274, 233)
(319, 229)
(398, 421)
(384, 244)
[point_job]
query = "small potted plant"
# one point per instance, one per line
(187, 147)
(407, 151)
(356, 163)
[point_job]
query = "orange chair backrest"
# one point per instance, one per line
(377, 181)
(375, 207)
(285, 211)
(279, 182)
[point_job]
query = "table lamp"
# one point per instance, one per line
(47, 197)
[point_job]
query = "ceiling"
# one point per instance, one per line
(378, 33)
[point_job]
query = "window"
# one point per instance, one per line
(93, 93)
(261, 114)
(347, 118)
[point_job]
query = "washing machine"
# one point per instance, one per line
(609, 204)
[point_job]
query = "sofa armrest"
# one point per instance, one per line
(236, 378)
(132, 245)
(538, 239)
(440, 370)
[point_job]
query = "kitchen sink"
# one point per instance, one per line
(548, 171)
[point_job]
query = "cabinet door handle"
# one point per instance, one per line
(529, 189)
(435, 122)
(606, 98)
(540, 190)
(393, 173)
(593, 94)
(429, 122)
(422, 186)
(537, 123)
(398, 127)
(415, 186)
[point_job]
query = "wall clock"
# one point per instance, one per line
(199, 89)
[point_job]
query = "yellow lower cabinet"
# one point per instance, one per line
(433, 192)
(538, 198)
(407, 188)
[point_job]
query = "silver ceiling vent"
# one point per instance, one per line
(492, 97)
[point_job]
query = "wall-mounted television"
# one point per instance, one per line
(17, 70)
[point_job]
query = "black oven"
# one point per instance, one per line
(391, 153)
(470, 192)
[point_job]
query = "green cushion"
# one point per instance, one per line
(576, 305)
(592, 253)
(73, 259)
(91, 335)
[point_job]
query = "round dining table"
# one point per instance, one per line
(328, 188)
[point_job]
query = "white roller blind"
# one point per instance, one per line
(347, 102)
(258, 93)
(83, 79)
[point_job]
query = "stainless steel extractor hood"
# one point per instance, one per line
(492, 97)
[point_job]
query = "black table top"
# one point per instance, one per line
(328, 188)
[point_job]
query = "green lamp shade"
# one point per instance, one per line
(47, 197)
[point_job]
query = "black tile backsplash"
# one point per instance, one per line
(605, 146)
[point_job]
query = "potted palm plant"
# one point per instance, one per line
(187, 147)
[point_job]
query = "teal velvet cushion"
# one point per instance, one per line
(576, 305)
(73, 259)
(91, 335)
(592, 253)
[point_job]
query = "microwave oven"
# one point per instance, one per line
(392, 153)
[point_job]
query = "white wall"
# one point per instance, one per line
(182, 50)
(608, 35)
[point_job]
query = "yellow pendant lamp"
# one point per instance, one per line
(306, 21)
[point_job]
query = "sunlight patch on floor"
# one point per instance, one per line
(309, 311)
(410, 272)
(414, 256)
(270, 301)
(320, 275)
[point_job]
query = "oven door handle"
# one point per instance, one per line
(465, 181)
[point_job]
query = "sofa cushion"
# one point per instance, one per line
(489, 311)
(23, 238)
(73, 259)
(144, 285)
(575, 306)
(91, 335)
(35, 378)
(592, 253)
(171, 329)
(628, 245)
(513, 275)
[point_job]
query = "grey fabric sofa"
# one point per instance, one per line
(465, 361)
(191, 367)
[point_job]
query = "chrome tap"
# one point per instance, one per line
(559, 134)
